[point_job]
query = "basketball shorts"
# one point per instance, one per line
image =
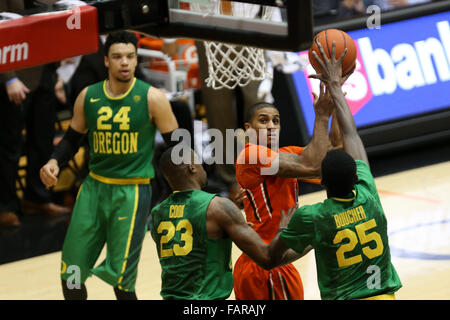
(111, 214)
(251, 282)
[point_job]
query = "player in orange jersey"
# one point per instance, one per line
(268, 176)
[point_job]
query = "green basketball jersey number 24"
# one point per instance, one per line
(120, 135)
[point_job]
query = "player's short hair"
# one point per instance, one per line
(338, 173)
(250, 113)
(167, 163)
(120, 37)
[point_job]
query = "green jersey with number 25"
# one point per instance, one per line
(350, 240)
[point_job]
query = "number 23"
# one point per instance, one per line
(186, 237)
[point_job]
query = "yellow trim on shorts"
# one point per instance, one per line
(119, 97)
(381, 297)
(120, 181)
(130, 234)
(79, 191)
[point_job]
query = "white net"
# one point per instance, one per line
(232, 65)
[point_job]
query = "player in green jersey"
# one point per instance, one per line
(193, 231)
(120, 116)
(348, 231)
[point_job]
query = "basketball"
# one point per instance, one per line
(343, 40)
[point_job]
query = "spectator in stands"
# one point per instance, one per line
(27, 99)
(327, 11)
(393, 4)
(176, 49)
(349, 8)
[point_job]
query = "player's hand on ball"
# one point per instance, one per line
(330, 67)
(49, 173)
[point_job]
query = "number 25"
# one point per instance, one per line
(353, 241)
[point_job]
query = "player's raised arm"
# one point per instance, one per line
(161, 114)
(335, 136)
(307, 165)
(331, 75)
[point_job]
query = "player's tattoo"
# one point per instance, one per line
(231, 210)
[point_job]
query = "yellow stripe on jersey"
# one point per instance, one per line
(120, 181)
(119, 97)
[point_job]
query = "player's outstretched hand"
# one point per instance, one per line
(323, 105)
(331, 67)
(286, 217)
(49, 173)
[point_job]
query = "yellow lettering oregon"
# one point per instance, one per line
(116, 146)
(108, 142)
(95, 141)
(115, 142)
(350, 216)
(176, 211)
(125, 142)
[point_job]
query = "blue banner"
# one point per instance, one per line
(403, 70)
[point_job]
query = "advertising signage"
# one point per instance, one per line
(403, 70)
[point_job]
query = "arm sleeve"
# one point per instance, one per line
(6, 76)
(67, 147)
(167, 137)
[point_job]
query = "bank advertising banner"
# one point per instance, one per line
(402, 70)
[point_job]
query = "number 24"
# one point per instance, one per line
(121, 117)
(353, 241)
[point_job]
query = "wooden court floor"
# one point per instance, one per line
(417, 206)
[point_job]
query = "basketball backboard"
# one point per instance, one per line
(243, 22)
(72, 27)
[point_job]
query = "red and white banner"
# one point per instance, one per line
(48, 37)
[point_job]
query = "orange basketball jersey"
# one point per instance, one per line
(266, 195)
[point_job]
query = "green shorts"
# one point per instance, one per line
(112, 214)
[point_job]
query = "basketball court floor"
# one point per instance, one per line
(417, 206)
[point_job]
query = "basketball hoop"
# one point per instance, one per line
(231, 65)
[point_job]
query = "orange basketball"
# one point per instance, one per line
(343, 40)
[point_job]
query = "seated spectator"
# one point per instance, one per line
(393, 4)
